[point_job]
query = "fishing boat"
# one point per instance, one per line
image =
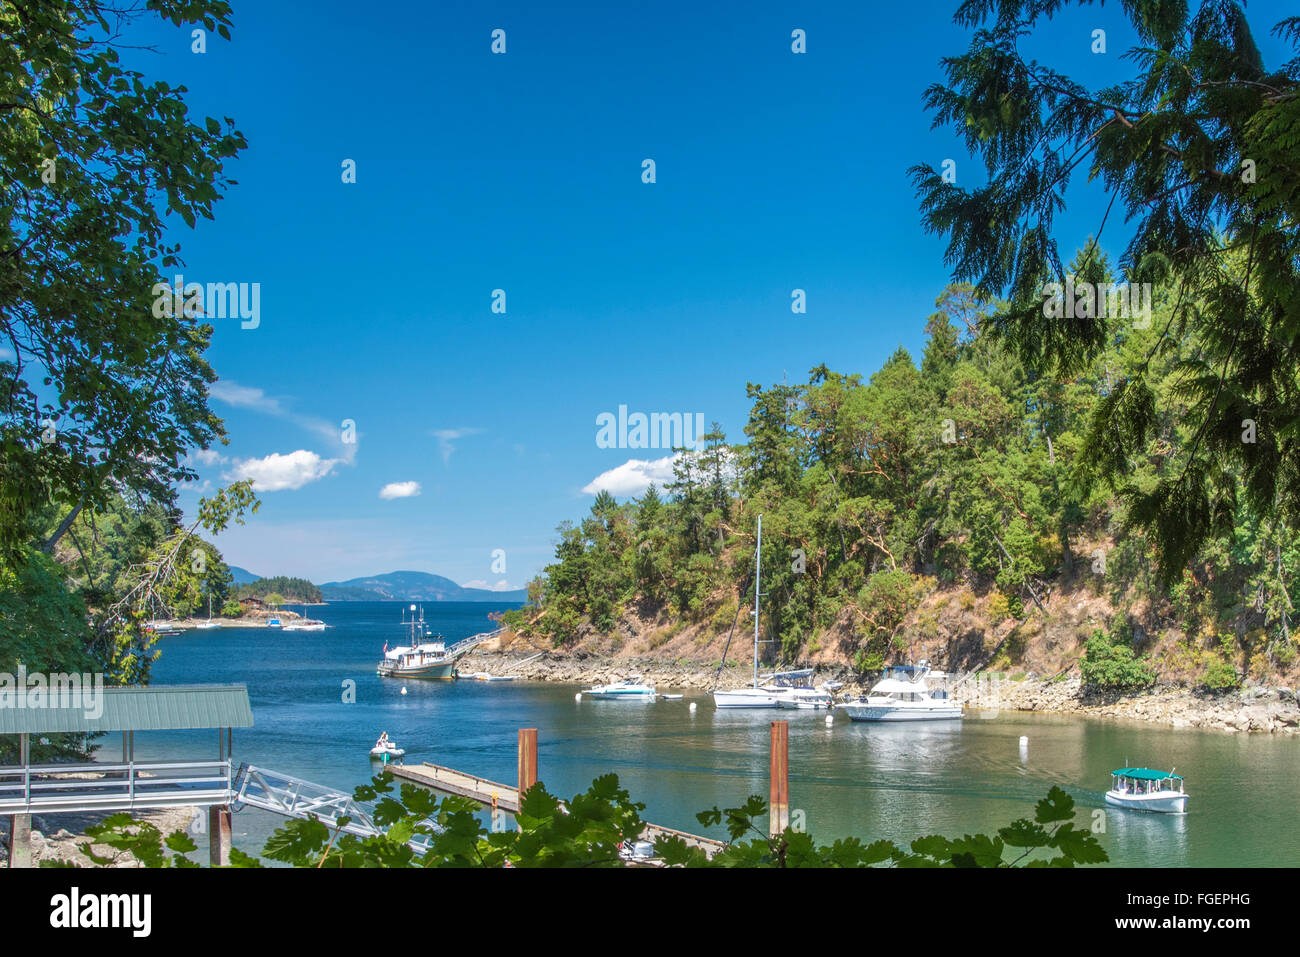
(1142, 789)
(630, 689)
(425, 655)
(904, 694)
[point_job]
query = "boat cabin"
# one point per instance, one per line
(1145, 781)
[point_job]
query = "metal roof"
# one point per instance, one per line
(130, 708)
(1146, 774)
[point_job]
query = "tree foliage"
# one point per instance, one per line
(1200, 150)
(590, 829)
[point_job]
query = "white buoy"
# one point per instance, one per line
(692, 707)
(578, 696)
(403, 689)
(830, 719)
(1024, 740)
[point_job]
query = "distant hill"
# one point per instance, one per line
(242, 576)
(412, 586)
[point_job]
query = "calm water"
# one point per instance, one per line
(867, 780)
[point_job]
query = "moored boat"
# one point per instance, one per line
(904, 694)
(630, 689)
(1142, 789)
(426, 656)
(386, 749)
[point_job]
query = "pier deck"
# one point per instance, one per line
(506, 797)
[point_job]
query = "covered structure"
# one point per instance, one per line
(126, 786)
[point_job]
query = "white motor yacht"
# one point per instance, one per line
(904, 694)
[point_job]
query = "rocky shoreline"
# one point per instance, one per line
(1253, 708)
(58, 837)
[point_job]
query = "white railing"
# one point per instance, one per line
(91, 786)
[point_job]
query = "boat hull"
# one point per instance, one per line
(1160, 802)
(441, 672)
(894, 712)
(743, 698)
(620, 695)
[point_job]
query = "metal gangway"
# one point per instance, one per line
(293, 797)
(466, 644)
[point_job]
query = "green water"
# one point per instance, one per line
(896, 781)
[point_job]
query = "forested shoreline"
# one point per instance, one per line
(961, 478)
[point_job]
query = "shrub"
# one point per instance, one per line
(1109, 662)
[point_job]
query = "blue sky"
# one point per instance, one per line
(523, 172)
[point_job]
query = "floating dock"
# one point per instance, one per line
(506, 798)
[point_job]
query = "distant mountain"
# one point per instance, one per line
(412, 586)
(242, 576)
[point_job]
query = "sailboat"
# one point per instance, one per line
(755, 696)
(209, 623)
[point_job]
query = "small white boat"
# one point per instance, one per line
(305, 624)
(205, 625)
(386, 749)
(484, 676)
(904, 695)
(630, 689)
(1142, 789)
(273, 623)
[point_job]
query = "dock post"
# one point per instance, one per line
(219, 835)
(779, 806)
(20, 840)
(527, 759)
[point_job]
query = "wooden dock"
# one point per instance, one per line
(506, 797)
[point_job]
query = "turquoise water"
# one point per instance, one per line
(867, 780)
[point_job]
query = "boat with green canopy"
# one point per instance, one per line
(1143, 789)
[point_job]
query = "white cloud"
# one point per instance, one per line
(400, 490)
(6, 355)
(501, 585)
(276, 472)
(446, 437)
(208, 457)
(251, 397)
(633, 477)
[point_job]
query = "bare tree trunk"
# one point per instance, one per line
(59, 532)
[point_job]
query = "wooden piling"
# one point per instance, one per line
(527, 759)
(219, 835)
(779, 805)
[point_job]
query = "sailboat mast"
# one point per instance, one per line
(758, 587)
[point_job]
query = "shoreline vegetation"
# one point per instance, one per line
(1251, 708)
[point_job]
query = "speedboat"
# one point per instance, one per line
(630, 689)
(903, 694)
(273, 623)
(1142, 789)
(305, 624)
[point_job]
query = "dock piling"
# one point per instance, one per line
(779, 805)
(527, 759)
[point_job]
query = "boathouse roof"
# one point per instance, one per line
(129, 708)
